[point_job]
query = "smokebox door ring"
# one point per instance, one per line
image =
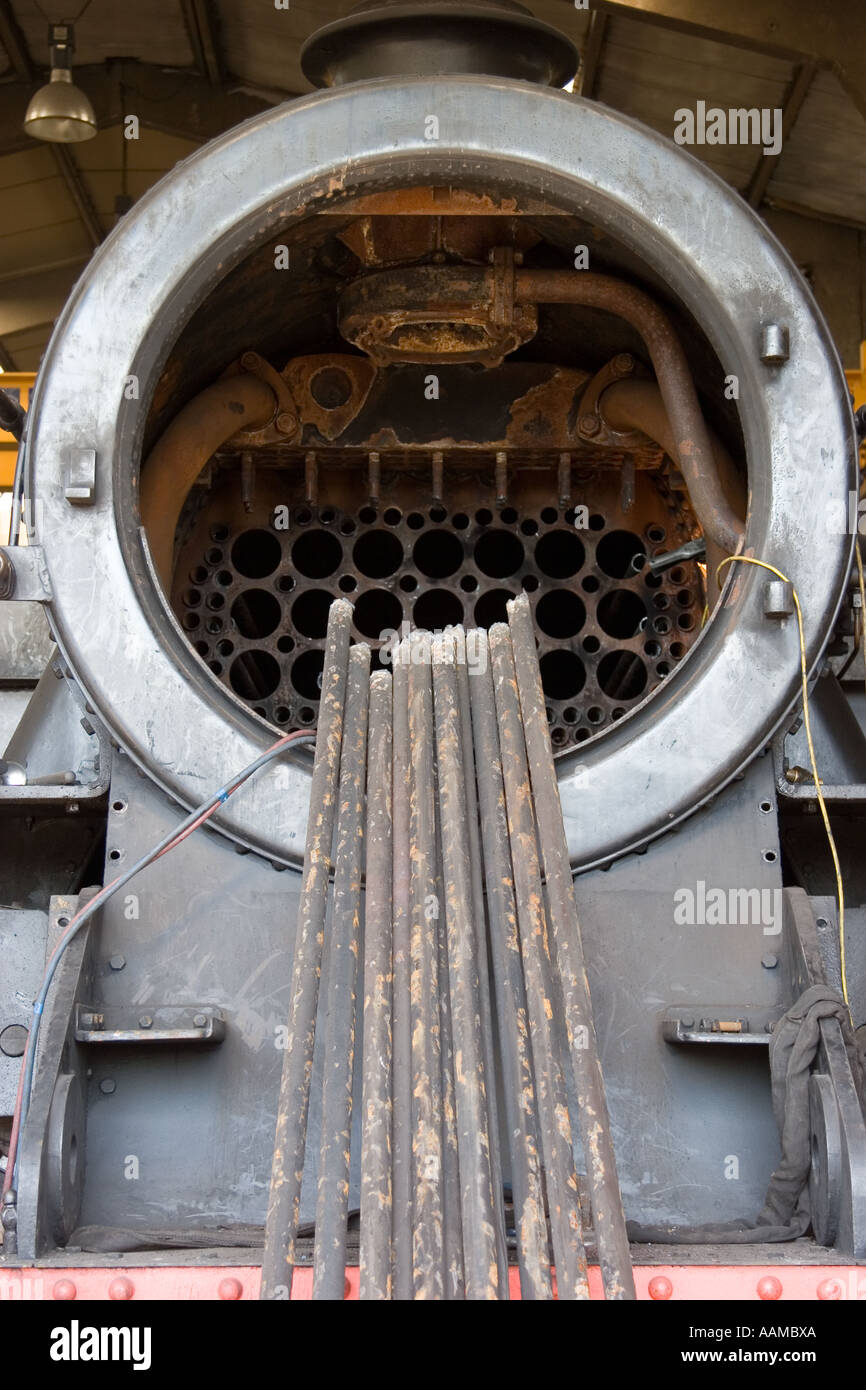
(656, 765)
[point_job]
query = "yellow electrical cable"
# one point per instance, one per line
(807, 724)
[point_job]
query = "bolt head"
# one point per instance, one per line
(107, 1086)
(145, 1021)
(117, 962)
(769, 1288)
(660, 1288)
(829, 1289)
(286, 423)
(770, 961)
(589, 425)
(200, 1021)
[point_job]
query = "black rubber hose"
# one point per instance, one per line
(12, 415)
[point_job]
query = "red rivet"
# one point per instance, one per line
(660, 1287)
(769, 1287)
(121, 1288)
(64, 1290)
(230, 1289)
(829, 1289)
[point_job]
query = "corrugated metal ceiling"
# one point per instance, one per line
(644, 69)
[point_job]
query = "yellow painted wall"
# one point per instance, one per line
(19, 382)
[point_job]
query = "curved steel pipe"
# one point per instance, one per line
(630, 405)
(175, 461)
(692, 449)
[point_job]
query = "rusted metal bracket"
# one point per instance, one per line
(701, 1023)
(591, 424)
(164, 1023)
(284, 426)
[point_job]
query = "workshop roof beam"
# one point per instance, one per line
(202, 27)
(67, 167)
(791, 108)
(590, 58)
(7, 362)
(13, 41)
(832, 35)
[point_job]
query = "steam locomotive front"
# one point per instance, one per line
(425, 343)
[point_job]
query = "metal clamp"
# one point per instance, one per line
(174, 1024)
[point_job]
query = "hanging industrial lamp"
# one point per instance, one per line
(60, 111)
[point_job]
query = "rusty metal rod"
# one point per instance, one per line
(455, 1272)
(473, 1134)
(533, 1252)
(374, 477)
(694, 453)
(292, 1106)
(592, 1112)
(554, 1124)
(466, 661)
(501, 478)
(376, 1105)
(438, 475)
(452, 1230)
(427, 1233)
(564, 480)
(311, 478)
(332, 1197)
(401, 956)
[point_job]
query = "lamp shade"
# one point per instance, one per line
(60, 111)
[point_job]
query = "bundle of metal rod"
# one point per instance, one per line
(377, 1182)
(293, 1105)
(332, 1199)
(433, 781)
(401, 1063)
(478, 1201)
(428, 1250)
(527, 1181)
(592, 1113)
(552, 1118)
(480, 930)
